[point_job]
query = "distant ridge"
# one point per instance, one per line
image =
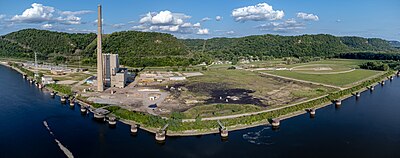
(161, 49)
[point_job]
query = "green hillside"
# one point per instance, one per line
(160, 49)
(145, 48)
(286, 46)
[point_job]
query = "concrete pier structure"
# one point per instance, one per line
(134, 129)
(338, 102)
(99, 116)
(358, 94)
(72, 102)
(275, 123)
(160, 136)
(63, 99)
(371, 88)
(312, 113)
(112, 121)
(224, 132)
(83, 109)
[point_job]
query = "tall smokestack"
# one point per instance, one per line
(100, 84)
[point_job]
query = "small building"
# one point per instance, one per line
(119, 79)
(57, 72)
(47, 80)
(177, 78)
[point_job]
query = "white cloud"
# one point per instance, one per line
(2, 16)
(197, 25)
(218, 18)
(285, 26)
(47, 26)
(38, 13)
(205, 19)
(202, 32)
(308, 17)
(164, 18)
(167, 21)
(259, 12)
(338, 20)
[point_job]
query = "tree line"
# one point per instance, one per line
(160, 49)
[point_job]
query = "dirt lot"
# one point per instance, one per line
(238, 87)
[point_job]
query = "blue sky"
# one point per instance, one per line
(210, 18)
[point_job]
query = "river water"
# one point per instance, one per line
(367, 127)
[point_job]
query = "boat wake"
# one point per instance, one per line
(62, 147)
(257, 137)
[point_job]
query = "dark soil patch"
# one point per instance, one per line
(234, 96)
(220, 93)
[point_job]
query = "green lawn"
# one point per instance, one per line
(342, 79)
(219, 110)
(351, 63)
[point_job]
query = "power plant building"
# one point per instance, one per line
(114, 76)
(109, 74)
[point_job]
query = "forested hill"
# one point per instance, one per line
(152, 48)
(161, 49)
(49, 43)
(286, 46)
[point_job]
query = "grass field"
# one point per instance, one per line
(351, 63)
(219, 110)
(341, 79)
(72, 76)
(336, 72)
(321, 68)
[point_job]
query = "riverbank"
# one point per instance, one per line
(251, 120)
(238, 123)
(16, 69)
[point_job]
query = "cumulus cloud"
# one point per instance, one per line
(167, 21)
(205, 19)
(2, 16)
(338, 20)
(259, 12)
(218, 18)
(164, 18)
(202, 32)
(308, 17)
(285, 26)
(47, 26)
(39, 13)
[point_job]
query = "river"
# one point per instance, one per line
(367, 127)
